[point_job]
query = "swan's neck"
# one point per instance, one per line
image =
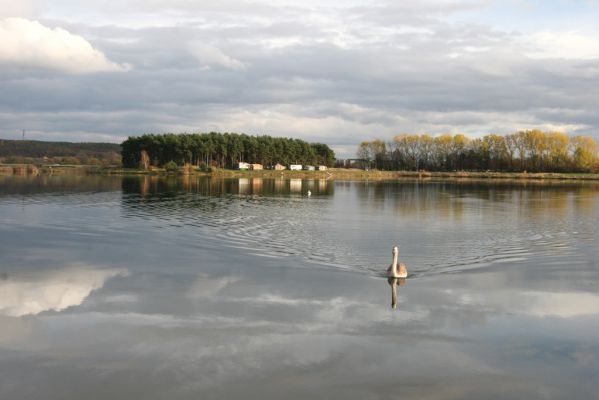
(394, 264)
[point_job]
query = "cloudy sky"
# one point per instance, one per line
(333, 71)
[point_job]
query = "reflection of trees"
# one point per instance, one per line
(556, 202)
(148, 186)
(447, 199)
(265, 214)
(46, 184)
(412, 198)
(176, 196)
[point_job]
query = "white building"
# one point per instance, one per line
(309, 168)
(322, 168)
(295, 167)
(243, 165)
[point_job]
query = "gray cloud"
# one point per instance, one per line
(338, 74)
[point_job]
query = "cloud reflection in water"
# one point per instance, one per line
(53, 290)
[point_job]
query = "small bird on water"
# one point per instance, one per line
(395, 270)
(309, 193)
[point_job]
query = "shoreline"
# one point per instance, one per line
(330, 174)
(372, 175)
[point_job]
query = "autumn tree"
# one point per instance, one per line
(532, 150)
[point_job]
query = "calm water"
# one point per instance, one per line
(149, 288)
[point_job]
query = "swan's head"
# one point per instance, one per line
(395, 250)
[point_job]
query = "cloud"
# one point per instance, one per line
(30, 44)
(336, 72)
(566, 45)
(14, 8)
(210, 56)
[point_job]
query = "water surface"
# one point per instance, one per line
(177, 288)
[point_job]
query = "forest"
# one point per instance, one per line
(40, 152)
(223, 150)
(530, 150)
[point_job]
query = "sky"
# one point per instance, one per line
(337, 72)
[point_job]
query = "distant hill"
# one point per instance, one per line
(35, 151)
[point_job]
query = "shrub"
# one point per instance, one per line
(171, 166)
(204, 168)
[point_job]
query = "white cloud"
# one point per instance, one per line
(25, 43)
(16, 8)
(210, 57)
(566, 45)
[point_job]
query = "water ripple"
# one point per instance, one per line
(439, 228)
(312, 229)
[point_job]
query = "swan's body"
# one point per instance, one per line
(395, 270)
(309, 193)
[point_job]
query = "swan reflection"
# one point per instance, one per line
(394, 282)
(53, 290)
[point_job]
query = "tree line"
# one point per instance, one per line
(223, 150)
(40, 152)
(530, 150)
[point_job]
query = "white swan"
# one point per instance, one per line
(309, 193)
(394, 270)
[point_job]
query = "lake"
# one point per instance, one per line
(199, 288)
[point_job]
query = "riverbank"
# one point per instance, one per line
(333, 173)
(32, 169)
(383, 175)
(357, 174)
